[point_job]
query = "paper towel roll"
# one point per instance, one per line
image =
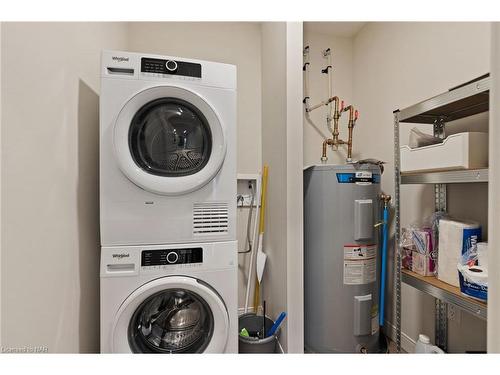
(455, 237)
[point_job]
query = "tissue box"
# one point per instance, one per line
(455, 239)
(422, 239)
(423, 264)
(423, 257)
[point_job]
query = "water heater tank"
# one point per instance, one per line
(341, 258)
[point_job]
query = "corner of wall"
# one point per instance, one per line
(1, 27)
(294, 159)
(493, 325)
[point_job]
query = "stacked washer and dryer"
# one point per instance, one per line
(168, 208)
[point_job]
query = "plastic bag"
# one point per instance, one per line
(421, 139)
(419, 245)
(407, 247)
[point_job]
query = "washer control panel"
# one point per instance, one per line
(171, 256)
(180, 68)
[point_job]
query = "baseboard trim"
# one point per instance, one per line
(407, 343)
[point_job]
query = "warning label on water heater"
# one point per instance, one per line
(360, 264)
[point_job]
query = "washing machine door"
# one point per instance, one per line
(172, 314)
(169, 140)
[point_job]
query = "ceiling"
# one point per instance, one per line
(343, 29)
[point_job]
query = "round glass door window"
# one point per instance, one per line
(170, 137)
(171, 321)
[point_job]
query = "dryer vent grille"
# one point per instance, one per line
(210, 217)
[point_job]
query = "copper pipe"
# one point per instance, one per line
(353, 116)
(349, 108)
(349, 145)
(334, 141)
(385, 198)
(326, 142)
(336, 117)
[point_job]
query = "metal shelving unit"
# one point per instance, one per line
(459, 102)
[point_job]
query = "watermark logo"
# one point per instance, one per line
(24, 349)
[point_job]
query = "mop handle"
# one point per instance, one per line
(276, 324)
(265, 173)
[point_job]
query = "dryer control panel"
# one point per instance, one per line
(171, 256)
(180, 68)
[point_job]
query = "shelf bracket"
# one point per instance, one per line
(397, 185)
(441, 331)
(441, 307)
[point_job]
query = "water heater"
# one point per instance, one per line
(341, 258)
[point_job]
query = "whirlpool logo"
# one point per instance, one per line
(122, 255)
(119, 58)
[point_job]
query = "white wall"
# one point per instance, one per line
(282, 151)
(494, 197)
(1, 27)
(50, 217)
(396, 65)
(273, 288)
(227, 42)
(295, 193)
(316, 132)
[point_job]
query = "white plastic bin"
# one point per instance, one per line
(458, 151)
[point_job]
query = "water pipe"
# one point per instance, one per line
(305, 69)
(336, 116)
(328, 71)
(330, 97)
(353, 117)
(334, 112)
(385, 233)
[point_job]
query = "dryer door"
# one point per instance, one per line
(169, 140)
(173, 314)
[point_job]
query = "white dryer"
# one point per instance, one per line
(169, 299)
(167, 150)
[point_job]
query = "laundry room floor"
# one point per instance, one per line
(393, 349)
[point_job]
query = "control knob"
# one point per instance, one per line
(172, 257)
(171, 65)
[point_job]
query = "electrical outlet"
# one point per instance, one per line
(454, 313)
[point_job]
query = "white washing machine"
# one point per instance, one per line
(169, 299)
(167, 150)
